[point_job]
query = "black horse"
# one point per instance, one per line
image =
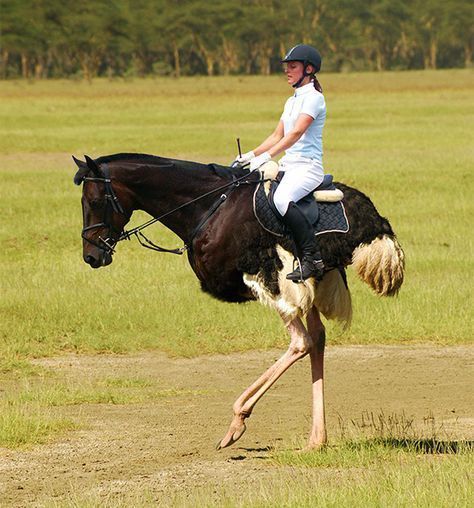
(210, 208)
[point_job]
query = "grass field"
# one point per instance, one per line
(138, 430)
(405, 139)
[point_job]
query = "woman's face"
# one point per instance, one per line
(294, 71)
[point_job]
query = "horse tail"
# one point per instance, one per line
(333, 298)
(381, 264)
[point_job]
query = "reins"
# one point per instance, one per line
(146, 242)
(108, 244)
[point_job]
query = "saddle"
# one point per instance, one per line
(323, 207)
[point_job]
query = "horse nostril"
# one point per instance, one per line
(90, 260)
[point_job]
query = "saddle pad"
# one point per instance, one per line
(332, 216)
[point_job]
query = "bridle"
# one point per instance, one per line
(113, 204)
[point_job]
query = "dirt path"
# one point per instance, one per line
(168, 443)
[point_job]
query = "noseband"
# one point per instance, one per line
(111, 204)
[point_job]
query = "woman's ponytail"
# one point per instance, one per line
(317, 84)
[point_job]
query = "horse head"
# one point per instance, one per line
(104, 212)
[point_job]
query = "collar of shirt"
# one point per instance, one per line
(304, 89)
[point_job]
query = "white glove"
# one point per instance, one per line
(260, 160)
(243, 159)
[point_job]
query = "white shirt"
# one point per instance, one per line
(308, 100)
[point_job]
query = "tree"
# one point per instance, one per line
(19, 38)
(381, 26)
(44, 38)
(459, 27)
(427, 30)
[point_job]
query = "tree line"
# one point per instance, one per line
(87, 38)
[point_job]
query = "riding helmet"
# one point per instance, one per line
(306, 54)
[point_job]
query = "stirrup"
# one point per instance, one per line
(312, 268)
(297, 269)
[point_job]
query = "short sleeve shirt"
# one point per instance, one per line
(311, 102)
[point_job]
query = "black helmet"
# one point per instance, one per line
(306, 54)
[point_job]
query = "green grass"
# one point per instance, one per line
(379, 460)
(118, 391)
(375, 440)
(421, 483)
(27, 415)
(23, 425)
(402, 138)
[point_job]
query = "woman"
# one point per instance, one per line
(299, 133)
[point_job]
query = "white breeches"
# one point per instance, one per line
(302, 176)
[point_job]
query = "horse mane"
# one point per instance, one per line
(142, 157)
(154, 160)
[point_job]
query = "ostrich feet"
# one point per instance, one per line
(317, 442)
(235, 432)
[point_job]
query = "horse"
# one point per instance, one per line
(210, 208)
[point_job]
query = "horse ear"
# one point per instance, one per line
(81, 172)
(80, 164)
(92, 165)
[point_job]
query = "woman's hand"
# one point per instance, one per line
(260, 160)
(243, 159)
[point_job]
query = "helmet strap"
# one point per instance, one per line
(305, 74)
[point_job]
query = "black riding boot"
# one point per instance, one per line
(303, 234)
